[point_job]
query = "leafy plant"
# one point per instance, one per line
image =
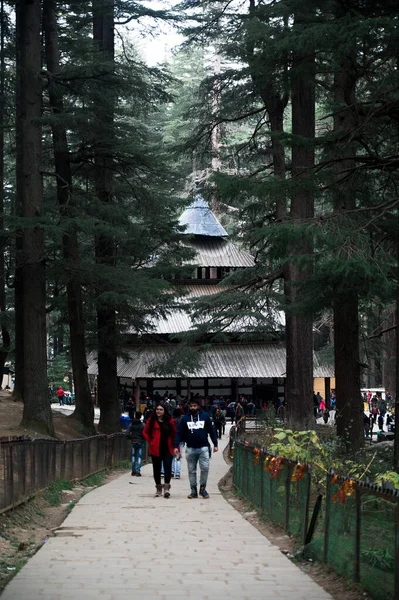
(388, 476)
(381, 559)
(53, 493)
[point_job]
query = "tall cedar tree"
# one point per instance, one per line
(105, 247)
(84, 410)
(299, 327)
(6, 339)
(37, 410)
(268, 67)
(346, 302)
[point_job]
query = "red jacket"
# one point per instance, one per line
(154, 439)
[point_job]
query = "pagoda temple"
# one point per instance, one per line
(255, 369)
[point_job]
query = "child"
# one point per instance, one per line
(135, 434)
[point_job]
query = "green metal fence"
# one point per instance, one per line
(278, 490)
(357, 532)
(361, 535)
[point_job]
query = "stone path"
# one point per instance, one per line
(121, 543)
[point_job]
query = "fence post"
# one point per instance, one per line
(63, 460)
(397, 551)
(262, 476)
(246, 470)
(327, 520)
(358, 508)
(23, 468)
(33, 465)
(287, 498)
(270, 497)
(307, 507)
(11, 474)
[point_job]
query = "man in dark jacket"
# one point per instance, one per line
(194, 429)
(135, 435)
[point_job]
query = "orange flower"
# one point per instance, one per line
(347, 489)
(266, 463)
(298, 472)
(277, 467)
(257, 453)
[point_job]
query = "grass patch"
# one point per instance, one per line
(70, 506)
(95, 480)
(53, 493)
(123, 464)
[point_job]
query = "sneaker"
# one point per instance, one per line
(193, 494)
(134, 473)
(204, 493)
(177, 477)
(138, 474)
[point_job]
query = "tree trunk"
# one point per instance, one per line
(84, 410)
(18, 392)
(103, 34)
(396, 439)
(37, 410)
(389, 359)
(5, 347)
(346, 304)
(299, 327)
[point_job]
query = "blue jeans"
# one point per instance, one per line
(176, 464)
(195, 456)
(137, 456)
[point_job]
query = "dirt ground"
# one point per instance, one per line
(65, 426)
(338, 587)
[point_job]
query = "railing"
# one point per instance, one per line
(357, 532)
(28, 466)
(275, 486)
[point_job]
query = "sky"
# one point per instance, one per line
(154, 40)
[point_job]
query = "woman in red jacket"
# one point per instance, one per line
(160, 433)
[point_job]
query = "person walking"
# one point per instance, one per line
(194, 429)
(176, 463)
(60, 395)
(135, 435)
(160, 432)
(218, 420)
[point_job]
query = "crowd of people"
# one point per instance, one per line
(64, 397)
(167, 434)
(377, 410)
(225, 409)
(320, 408)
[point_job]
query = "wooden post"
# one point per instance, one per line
(327, 390)
(234, 390)
(137, 393)
(206, 389)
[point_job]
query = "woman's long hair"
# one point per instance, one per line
(153, 417)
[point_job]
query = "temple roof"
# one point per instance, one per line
(219, 252)
(220, 360)
(200, 220)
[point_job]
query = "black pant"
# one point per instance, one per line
(218, 427)
(157, 461)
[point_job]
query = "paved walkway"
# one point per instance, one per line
(121, 543)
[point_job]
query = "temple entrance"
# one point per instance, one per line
(265, 394)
